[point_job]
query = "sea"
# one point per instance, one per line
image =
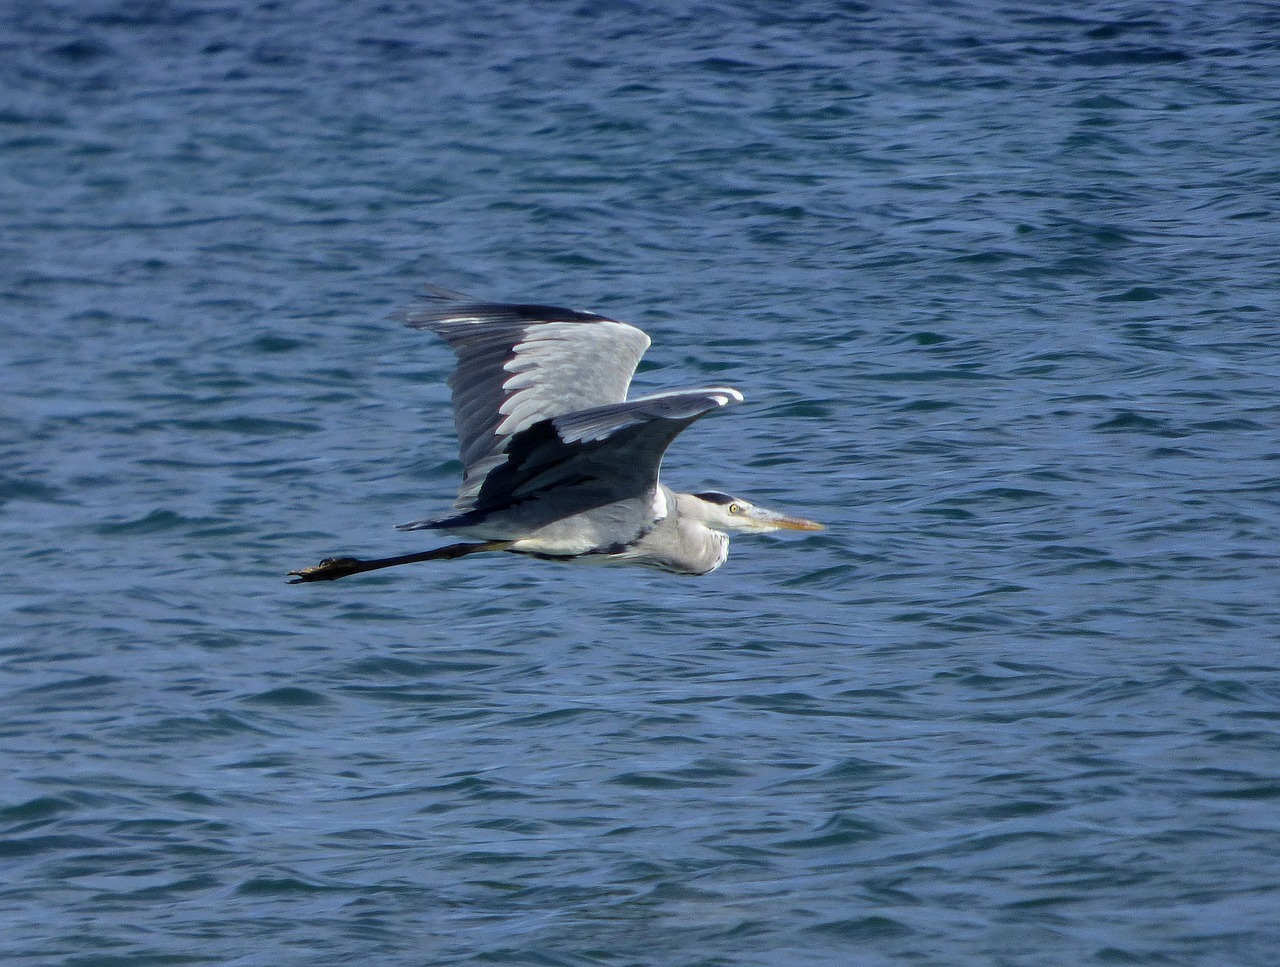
(1000, 282)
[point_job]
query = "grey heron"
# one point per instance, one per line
(557, 463)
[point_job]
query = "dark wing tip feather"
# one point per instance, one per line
(438, 306)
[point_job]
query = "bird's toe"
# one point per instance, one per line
(330, 569)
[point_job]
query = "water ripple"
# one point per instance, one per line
(997, 282)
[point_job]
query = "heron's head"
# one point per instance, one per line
(724, 513)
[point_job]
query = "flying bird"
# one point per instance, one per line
(557, 463)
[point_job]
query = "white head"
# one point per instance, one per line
(724, 513)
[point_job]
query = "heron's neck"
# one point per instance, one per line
(703, 543)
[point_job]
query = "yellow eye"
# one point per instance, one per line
(735, 508)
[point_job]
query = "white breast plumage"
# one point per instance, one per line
(723, 548)
(659, 505)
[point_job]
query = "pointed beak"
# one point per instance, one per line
(772, 520)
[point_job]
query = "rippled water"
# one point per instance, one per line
(1000, 286)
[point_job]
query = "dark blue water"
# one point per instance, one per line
(999, 282)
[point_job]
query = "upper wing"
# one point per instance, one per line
(520, 364)
(598, 456)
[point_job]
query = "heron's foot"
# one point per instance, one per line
(330, 569)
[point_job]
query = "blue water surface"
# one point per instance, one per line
(999, 282)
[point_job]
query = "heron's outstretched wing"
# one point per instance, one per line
(519, 365)
(579, 461)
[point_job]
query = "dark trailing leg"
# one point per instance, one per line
(332, 568)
